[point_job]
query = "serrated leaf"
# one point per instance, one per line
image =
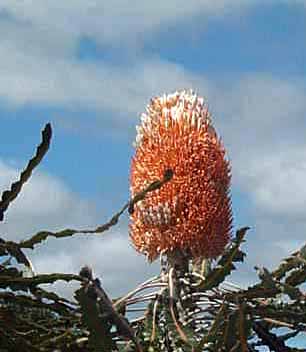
(13, 249)
(230, 330)
(295, 260)
(297, 277)
(303, 252)
(225, 264)
(9, 195)
(266, 277)
(291, 291)
(100, 337)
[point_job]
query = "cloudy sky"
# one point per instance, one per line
(91, 67)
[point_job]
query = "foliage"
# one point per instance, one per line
(187, 307)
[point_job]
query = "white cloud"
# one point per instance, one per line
(110, 255)
(46, 203)
(277, 181)
(116, 21)
(30, 80)
(38, 44)
(262, 120)
(263, 123)
(38, 68)
(261, 108)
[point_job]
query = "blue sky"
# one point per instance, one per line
(91, 68)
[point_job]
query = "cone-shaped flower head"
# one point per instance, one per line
(192, 212)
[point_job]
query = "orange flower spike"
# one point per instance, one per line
(192, 212)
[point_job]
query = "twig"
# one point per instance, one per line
(280, 323)
(130, 310)
(43, 235)
(29, 282)
(140, 299)
(271, 340)
(135, 291)
(94, 291)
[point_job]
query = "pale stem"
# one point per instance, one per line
(136, 290)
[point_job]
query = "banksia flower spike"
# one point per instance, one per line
(191, 213)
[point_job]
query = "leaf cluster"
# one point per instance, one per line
(181, 309)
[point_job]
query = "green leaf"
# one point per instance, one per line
(291, 291)
(297, 277)
(225, 264)
(266, 277)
